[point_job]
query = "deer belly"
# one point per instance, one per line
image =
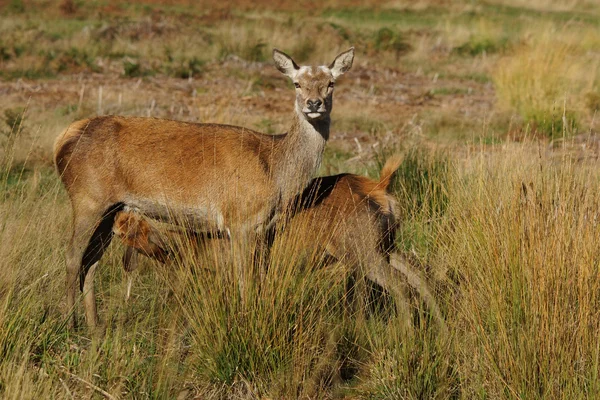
(201, 216)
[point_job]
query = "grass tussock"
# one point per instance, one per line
(281, 340)
(521, 242)
(547, 80)
(421, 183)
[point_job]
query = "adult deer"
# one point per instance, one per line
(218, 177)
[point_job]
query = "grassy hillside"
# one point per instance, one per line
(494, 107)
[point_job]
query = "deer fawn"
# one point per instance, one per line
(348, 217)
(218, 177)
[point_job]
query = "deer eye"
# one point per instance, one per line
(330, 84)
(297, 85)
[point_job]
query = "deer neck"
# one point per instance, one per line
(299, 155)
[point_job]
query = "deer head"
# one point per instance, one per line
(314, 85)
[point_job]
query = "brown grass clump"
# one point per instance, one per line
(546, 81)
(521, 240)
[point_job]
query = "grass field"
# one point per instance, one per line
(492, 103)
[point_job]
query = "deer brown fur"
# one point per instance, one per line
(348, 217)
(137, 233)
(215, 177)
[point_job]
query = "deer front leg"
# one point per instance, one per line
(130, 264)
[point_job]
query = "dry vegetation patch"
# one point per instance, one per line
(494, 105)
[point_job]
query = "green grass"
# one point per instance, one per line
(513, 12)
(478, 46)
(366, 16)
(334, 161)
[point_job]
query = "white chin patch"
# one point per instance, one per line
(314, 115)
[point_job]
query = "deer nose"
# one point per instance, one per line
(313, 105)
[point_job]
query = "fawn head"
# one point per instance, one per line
(314, 85)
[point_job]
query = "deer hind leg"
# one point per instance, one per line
(84, 222)
(242, 245)
(92, 232)
(415, 280)
(391, 281)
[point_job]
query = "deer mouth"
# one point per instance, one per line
(314, 114)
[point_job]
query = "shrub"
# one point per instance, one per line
(132, 69)
(5, 54)
(592, 101)
(13, 118)
(68, 7)
(249, 49)
(73, 58)
(476, 46)
(186, 68)
(387, 39)
(16, 6)
(304, 49)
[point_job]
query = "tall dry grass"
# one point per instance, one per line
(510, 236)
(547, 79)
(522, 244)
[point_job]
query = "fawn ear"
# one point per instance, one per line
(285, 64)
(342, 63)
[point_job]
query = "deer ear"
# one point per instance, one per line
(342, 63)
(285, 64)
